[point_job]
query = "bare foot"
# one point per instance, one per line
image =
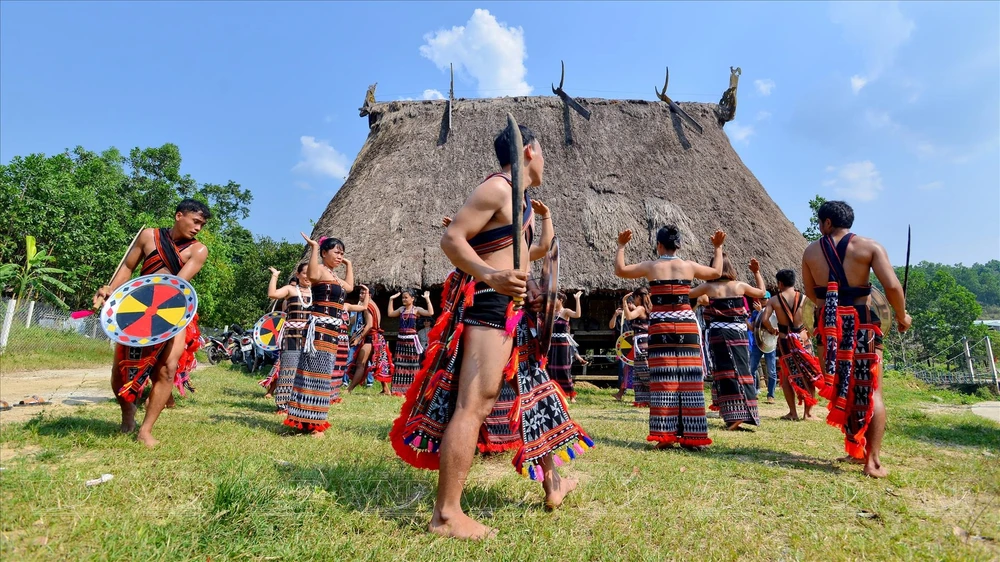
(146, 438)
(127, 427)
(317, 434)
(790, 417)
(734, 426)
(555, 496)
(875, 470)
(281, 412)
(128, 418)
(850, 459)
(809, 417)
(268, 396)
(170, 402)
(461, 527)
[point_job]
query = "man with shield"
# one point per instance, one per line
(483, 338)
(850, 332)
(800, 372)
(173, 251)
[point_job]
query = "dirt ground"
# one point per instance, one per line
(63, 388)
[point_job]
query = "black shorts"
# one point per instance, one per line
(489, 308)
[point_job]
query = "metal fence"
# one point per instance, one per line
(29, 327)
(965, 362)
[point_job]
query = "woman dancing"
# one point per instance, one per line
(676, 387)
(408, 348)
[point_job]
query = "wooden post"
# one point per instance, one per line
(31, 312)
(968, 359)
(8, 319)
(993, 365)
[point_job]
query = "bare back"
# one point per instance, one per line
(862, 256)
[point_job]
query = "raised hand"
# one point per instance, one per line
(718, 238)
(754, 266)
(274, 272)
(624, 237)
(309, 241)
(101, 295)
(396, 296)
(540, 208)
(578, 294)
(445, 221)
(427, 296)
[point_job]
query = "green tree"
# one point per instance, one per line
(34, 278)
(812, 233)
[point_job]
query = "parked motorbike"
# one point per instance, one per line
(216, 350)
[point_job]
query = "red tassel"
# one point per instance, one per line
(470, 293)
(439, 327)
(510, 370)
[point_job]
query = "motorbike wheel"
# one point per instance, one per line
(237, 356)
(213, 356)
(250, 360)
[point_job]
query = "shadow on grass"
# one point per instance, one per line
(369, 428)
(272, 424)
(783, 459)
(391, 490)
(257, 405)
(71, 425)
(936, 430)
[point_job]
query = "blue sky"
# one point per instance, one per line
(894, 107)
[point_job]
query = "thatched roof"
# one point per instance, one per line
(632, 165)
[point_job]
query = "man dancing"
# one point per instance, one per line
(800, 372)
(175, 251)
(479, 341)
(850, 331)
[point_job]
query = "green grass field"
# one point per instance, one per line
(35, 349)
(228, 482)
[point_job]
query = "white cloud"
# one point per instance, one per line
(877, 29)
(931, 186)
(321, 159)
(858, 82)
(739, 133)
(763, 115)
(490, 52)
(764, 86)
(858, 181)
(303, 185)
(433, 95)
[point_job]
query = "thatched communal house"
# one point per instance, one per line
(633, 164)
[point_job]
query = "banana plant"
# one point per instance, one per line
(35, 277)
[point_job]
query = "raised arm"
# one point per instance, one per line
(614, 319)
(543, 216)
(348, 281)
(487, 199)
(393, 312)
(313, 271)
(579, 311)
(634, 312)
(273, 292)
(757, 290)
(890, 283)
(707, 273)
(634, 271)
(429, 311)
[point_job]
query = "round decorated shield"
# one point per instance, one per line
(266, 330)
(149, 310)
(880, 305)
(624, 348)
(766, 341)
(549, 285)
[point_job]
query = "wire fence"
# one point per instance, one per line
(35, 329)
(964, 362)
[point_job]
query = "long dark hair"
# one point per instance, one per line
(643, 295)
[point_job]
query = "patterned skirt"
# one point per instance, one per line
(799, 367)
(539, 413)
(407, 362)
(288, 363)
(496, 435)
(561, 363)
(676, 380)
(640, 368)
(312, 388)
(734, 394)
